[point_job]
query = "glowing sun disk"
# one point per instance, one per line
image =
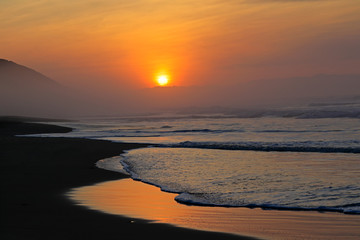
(162, 80)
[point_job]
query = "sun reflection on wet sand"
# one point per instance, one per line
(138, 200)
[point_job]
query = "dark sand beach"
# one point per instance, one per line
(36, 173)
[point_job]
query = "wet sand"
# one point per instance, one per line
(140, 200)
(37, 173)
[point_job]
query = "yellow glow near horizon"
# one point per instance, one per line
(162, 80)
(116, 44)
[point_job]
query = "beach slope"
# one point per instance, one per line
(35, 174)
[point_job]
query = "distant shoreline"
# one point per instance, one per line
(35, 174)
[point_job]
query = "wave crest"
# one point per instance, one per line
(270, 147)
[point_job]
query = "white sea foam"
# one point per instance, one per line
(271, 180)
(112, 164)
(352, 146)
(292, 162)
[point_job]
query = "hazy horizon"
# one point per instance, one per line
(234, 54)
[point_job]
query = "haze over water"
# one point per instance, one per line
(214, 53)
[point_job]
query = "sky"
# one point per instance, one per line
(120, 44)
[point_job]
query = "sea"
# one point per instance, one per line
(289, 159)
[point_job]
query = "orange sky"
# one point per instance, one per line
(128, 43)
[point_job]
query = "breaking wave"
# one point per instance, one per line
(250, 179)
(308, 146)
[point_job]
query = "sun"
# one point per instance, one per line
(162, 80)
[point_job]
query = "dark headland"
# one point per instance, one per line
(37, 172)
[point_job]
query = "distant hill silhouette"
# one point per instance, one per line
(24, 91)
(13, 75)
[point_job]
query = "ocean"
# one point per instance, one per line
(267, 161)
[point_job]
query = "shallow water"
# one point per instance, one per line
(281, 180)
(269, 162)
(137, 200)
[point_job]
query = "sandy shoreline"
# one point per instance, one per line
(36, 173)
(143, 201)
